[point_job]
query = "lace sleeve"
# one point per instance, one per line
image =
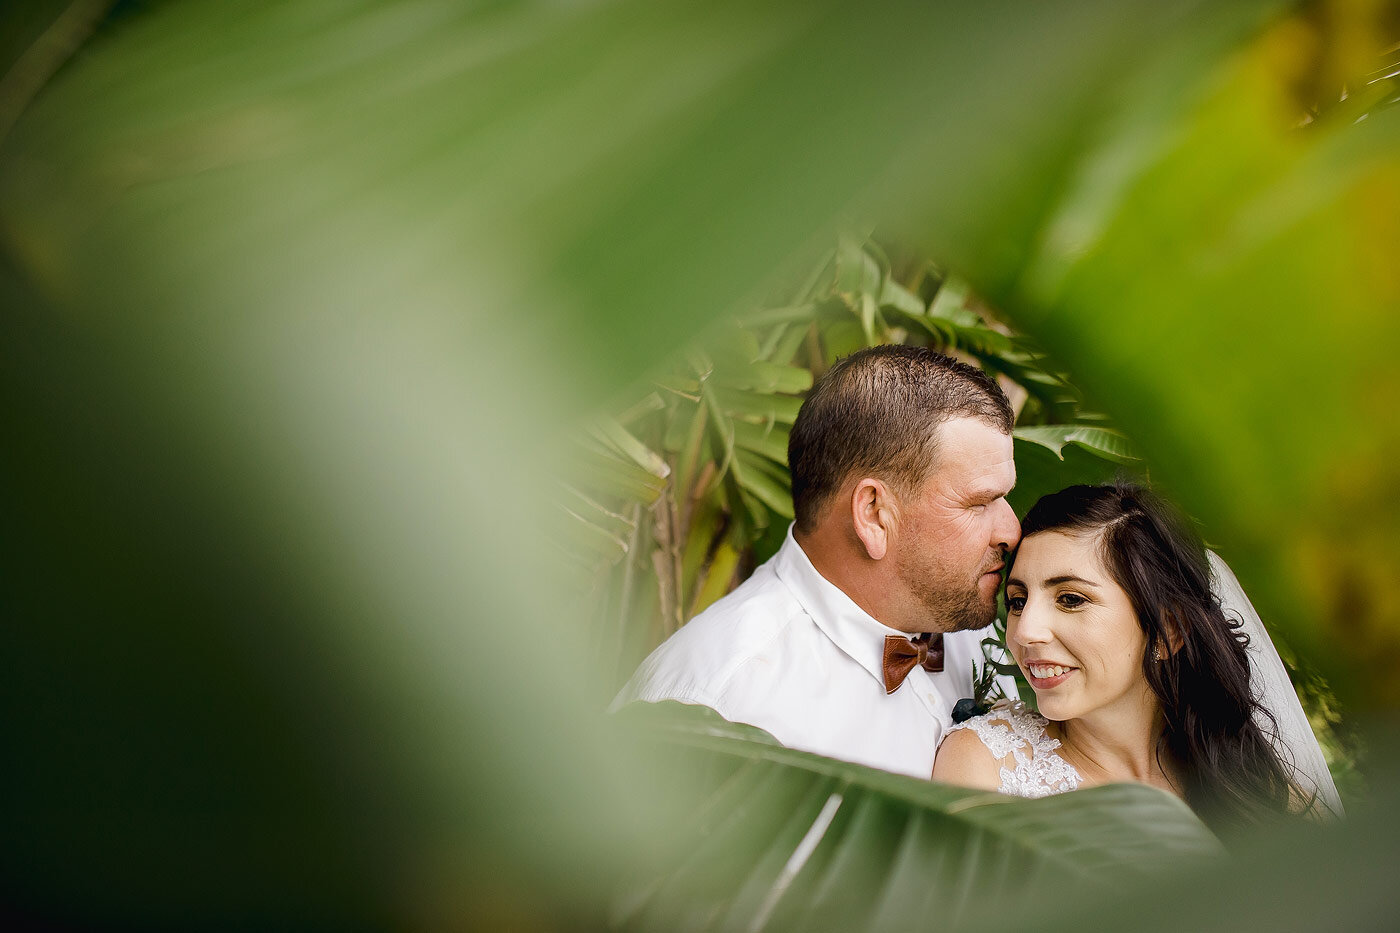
(1033, 769)
(995, 732)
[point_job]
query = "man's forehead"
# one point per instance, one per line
(970, 430)
(969, 449)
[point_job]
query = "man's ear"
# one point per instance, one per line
(873, 515)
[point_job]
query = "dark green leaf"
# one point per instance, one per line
(800, 839)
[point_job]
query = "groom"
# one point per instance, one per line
(859, 636)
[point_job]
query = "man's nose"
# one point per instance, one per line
(1007, 530)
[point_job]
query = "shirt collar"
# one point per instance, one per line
(850, 627)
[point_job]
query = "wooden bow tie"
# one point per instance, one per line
(902, 654)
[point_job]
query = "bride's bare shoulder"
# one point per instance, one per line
(965, 760)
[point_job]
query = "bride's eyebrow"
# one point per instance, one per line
(1069, 578)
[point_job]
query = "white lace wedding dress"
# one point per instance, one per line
(1030, 766)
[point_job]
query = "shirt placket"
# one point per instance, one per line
(928, 694)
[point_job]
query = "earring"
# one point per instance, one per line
(1157, 654)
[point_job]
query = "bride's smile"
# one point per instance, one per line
(1043, 675)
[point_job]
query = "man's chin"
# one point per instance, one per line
(969, 618)
(955, 609)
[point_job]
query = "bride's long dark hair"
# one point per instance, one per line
(1232, 773)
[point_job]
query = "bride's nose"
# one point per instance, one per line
(1029, 626)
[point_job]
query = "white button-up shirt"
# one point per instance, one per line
(791, 653)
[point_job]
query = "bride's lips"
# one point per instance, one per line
(1046, 683)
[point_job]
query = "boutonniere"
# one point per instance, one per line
(986, 692)
(984, 686)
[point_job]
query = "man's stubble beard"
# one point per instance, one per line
(949, 607)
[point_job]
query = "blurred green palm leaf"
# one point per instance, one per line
(1209, 295)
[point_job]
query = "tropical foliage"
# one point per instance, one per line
(680, 494)
(303, 303)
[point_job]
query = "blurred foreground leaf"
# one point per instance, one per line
(1222, 279)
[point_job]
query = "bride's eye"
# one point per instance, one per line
(1015, 603)
(1070, 600)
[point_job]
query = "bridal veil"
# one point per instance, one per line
(1291, 733)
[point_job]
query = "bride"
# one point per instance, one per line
(1138, 673)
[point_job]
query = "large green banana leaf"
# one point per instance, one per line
(776, 838)
(772, 838)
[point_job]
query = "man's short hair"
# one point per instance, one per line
(875, 413)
